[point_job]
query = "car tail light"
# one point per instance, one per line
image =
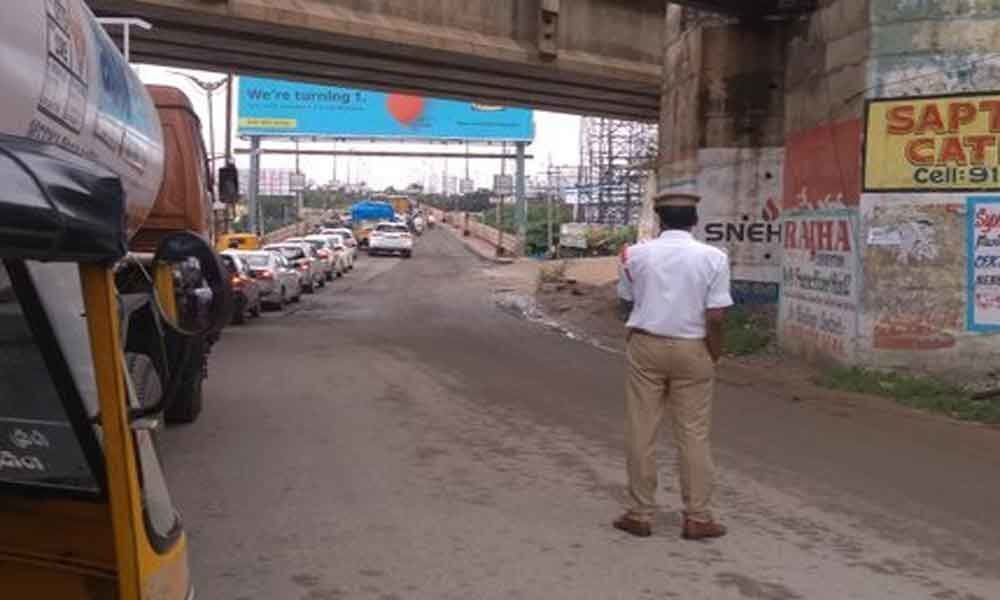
(304, 267)
(235, 280)
(323, 253)
(266, 274)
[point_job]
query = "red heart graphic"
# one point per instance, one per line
(404, 108)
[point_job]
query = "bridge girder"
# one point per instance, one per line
(481, 50)
(751, 8)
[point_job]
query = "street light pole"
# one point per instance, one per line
(209, 87)
(229, 119)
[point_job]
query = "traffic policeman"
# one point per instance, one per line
(678, 289)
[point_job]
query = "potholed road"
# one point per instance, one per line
(398, 436)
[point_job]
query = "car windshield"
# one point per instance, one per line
(317, 244)
(392, 228)
(291, 252)
(258, 260)
(230, 263)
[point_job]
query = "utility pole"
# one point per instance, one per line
(252, 185)
(548, 216)
(229, 119)
(522, 200)
(335, 165)
(298, 190)
(500, 195)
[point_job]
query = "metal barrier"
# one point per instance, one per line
(469, 222)
(293, 230)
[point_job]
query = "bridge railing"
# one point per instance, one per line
(469, 222)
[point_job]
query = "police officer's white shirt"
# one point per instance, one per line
(673, 280)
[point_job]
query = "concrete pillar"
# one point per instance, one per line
(764, 121)
(721, 135)
(923, 303)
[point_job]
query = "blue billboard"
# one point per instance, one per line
(270, 107)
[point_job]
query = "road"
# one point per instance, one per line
(398, 436)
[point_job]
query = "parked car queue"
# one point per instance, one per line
(278, 274)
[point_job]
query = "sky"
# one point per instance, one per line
(557, 139)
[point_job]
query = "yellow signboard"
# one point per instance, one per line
(268, 123)
(947, 143)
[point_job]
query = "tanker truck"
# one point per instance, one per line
(97, 340)
(68, 86)
(183, 203)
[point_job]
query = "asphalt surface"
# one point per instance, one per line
(399, 436)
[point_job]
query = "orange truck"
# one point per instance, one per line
(184, 203)
(185, 199)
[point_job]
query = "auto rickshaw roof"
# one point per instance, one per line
(57, 206)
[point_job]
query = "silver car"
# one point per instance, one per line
(305, 260)
(278, 280)
(349, 241)
(342, 262)
(323, 250)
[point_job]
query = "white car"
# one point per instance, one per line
(347, 236)
(342, 263)
(391, 238)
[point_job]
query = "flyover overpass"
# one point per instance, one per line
(601, 57)
(583, 56)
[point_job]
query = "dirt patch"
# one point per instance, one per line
(589, 311)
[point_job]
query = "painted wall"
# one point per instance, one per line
(721, 138)
(740, 190)
(822, 282)
(920, 251)
(820, 263)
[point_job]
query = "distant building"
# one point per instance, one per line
(273, 182)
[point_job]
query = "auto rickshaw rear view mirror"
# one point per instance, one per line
(192, 286)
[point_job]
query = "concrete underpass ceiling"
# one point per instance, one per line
(185, 37)
(751, 8)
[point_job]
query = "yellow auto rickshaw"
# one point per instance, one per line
(238, 241)
(85, 511)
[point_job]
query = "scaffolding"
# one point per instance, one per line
(614, 157)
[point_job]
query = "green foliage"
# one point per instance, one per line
(747, 331)
(537, 236)
(609, 242)
(925, 393)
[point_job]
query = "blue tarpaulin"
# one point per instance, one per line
(372, 211)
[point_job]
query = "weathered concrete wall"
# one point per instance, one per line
(881, 279)
(825, 81)
(916, 296)
(680, 120)
(721, 135)
(740, 193)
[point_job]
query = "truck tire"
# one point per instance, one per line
(188, 405)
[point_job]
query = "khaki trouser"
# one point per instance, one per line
(677, 374)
